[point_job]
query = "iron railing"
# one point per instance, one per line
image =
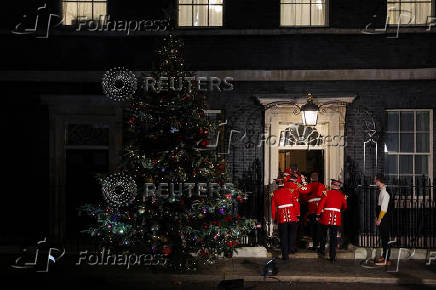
(413, 215)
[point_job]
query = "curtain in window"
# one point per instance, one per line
(302, 12)
(200, 12)
(409, 12)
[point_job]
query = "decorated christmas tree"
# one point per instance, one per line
(171, 193)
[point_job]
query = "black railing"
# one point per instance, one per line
(413, 215)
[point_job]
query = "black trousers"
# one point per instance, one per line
(314, 230)
(288, 236)
(333, 231)
(385, 230)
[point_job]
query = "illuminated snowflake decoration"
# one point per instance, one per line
(119, 84)
(119, 189)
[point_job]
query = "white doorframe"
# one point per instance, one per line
(330, 123)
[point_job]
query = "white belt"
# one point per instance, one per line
(332, 209)
(285, 205)
(314, 199)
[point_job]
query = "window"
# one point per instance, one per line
(412, 12)
(303, 12)
(203, 13)
(408, 146)
(83, 10)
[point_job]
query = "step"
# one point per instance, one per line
(304, 254)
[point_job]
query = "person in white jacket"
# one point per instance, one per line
(384, 219)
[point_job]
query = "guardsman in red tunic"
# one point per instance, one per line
(315, 189)
(295, 189)
(284, 213)
(329, 211)
(286, 174)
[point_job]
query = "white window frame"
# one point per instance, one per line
(326, 12)
(199, 26)
(414, 153)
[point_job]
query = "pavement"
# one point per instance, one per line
(298, 272)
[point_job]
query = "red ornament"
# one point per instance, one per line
(228, 218)
(166, 250)
(204, 142)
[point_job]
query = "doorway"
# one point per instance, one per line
(305, 160)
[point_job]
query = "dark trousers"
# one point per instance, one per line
(385, 229)
(333, 231)
(288, 236)
(314, 230)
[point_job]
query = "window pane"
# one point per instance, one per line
(302, 12)
(200, 15)
(391, 164)
(393, 12)
(407, 122)
(185, 15)
(407, 14)
(287, 15)
(215, 1)
(406, 142)
(70, 12)
(412, 12)
(199, 1)
(185, 1)
(215, 15)
(423, 10)
(393, 121)
(85, 10)
(297, 13)
(318, 13)
(406, 164)
(421, 164)
(422, 142)
(99, 11)
(392, 142)
(422, 121)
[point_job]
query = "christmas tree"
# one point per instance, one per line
(168, 142)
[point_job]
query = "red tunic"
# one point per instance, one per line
(295, 189)
(330, 207)
(314, 196)
(283, 205)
